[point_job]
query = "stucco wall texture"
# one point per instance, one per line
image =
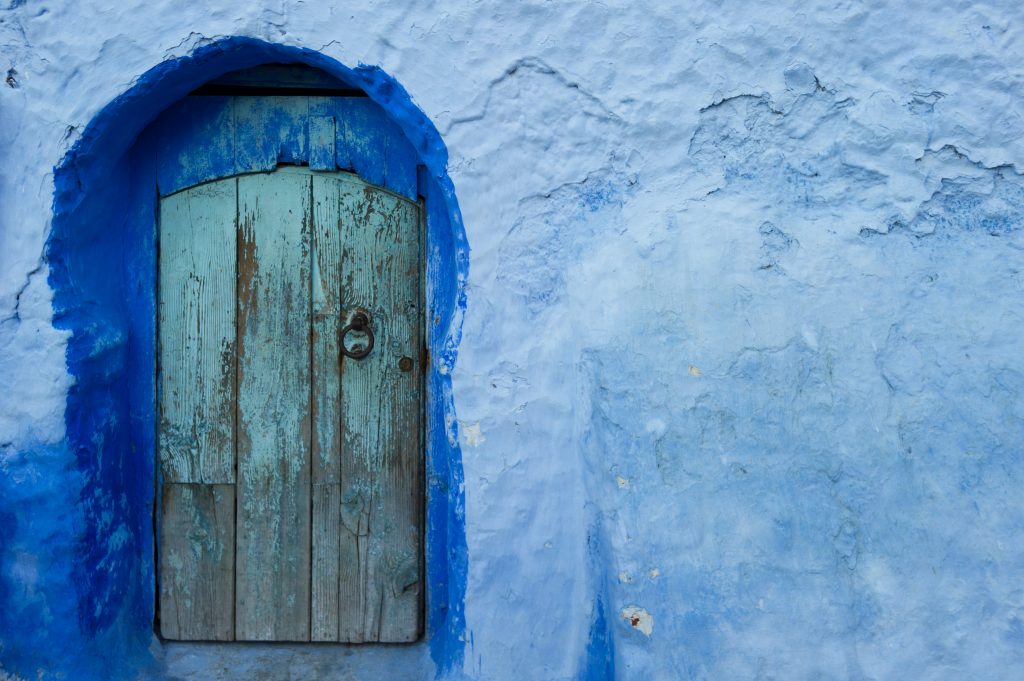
(740, 391)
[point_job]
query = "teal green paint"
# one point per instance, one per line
(307, 250)
(381, 456)
(196, 442)
(273, 512)
(197, 334)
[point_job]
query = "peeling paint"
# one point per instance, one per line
(821, 216)
(471, 433)
(639, 619)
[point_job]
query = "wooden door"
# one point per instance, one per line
(291, 465)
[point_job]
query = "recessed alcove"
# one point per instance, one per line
(102, 256)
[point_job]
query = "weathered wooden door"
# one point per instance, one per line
(290, 456)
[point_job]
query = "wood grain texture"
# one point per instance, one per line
(196, 142)
(197, 334)
(380, 589)
(326, 417)
(321, 142)
(274, 429)
(203, 138)
(326, 566)
(327, 248)
(320, 537)
(270, 130)
(400, 163)
(197, 554)
(362, 142)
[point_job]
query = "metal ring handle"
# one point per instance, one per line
(361, 323)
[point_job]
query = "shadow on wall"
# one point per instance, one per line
(82, 514)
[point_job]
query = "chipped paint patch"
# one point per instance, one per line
(639, 619)
(472, 435)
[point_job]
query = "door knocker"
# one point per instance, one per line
(361, 324)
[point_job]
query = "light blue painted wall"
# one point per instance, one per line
(742, 358)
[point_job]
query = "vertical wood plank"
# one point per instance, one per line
(380, 585)
(321, 142)
(400, 163)
(326, 412)
(195, 143)
(326, 545)
(268, 131)
(327, 248)
(361, 138)
(274, 430)
(197, 562)
(197, 334)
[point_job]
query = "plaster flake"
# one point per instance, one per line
(471, 433)
(639, 619)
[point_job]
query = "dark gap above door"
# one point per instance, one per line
(279, 80)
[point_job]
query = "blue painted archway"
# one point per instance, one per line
(101, 254)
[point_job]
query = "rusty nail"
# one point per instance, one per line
(405, 364)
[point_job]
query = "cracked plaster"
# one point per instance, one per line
(816, 205)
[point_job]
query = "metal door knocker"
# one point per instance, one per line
(361, 324)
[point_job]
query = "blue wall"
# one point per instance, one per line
(82, 512)
(744, 349)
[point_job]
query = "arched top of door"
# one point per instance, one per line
(280, 114)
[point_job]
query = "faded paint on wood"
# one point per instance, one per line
(327, 538)
(400, 163)
(327, 247)
(196, 142)
(270, 130)
(197, 553)
(203, 138)
(379, 519)
(326, 563)
(274, 429)
(321, 142)
(362, 138)
(326, 417)
(197, 334)
(326, 434)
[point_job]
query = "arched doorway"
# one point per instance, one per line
(290, 364)
(103, 264)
